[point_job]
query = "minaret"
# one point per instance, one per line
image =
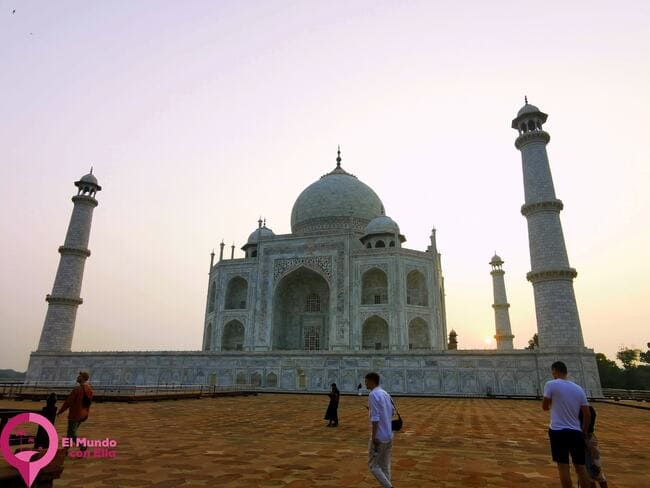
(58, 328)
(501, 315)
(558, 323)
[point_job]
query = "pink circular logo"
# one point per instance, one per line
(21, 461)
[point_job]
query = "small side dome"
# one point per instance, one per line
(380, 232)
(261, 232)
(381, 225)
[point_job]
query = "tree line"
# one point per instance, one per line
(634, 375)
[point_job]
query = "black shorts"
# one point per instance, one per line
(565, 442)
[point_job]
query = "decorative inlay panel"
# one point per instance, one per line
(321, 263)
(228, 316)
(368, 266)
(414, 315)
(384, 314)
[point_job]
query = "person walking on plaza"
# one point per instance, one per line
(566, 400)
(359, 389)
(380, 410)
(592, 453)
(78, 402)
(332, 413)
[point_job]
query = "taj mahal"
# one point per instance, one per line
(339, 296)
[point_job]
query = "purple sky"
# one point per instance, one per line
(201, 116)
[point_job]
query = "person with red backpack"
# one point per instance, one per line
(78, 403)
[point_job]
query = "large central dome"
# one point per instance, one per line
(338, 200)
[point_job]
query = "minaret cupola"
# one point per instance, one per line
(88, 185)
(529, 119)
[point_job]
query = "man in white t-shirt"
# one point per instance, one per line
(380, 410)
(565, 400)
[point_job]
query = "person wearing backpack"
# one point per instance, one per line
(78, 403)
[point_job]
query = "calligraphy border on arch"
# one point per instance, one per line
(282, 267)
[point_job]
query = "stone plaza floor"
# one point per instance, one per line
(277, 440)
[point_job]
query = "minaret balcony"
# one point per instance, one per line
(85, 253)
(85, 199)
(555, 205)
(566, 274)
(64, 300)
(532, 136)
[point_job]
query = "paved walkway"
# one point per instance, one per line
(281, 441)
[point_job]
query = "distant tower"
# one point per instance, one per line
(453, 341)
(63, 301)
(558, 323)
(501, 315)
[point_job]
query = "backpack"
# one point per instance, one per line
(86, 401)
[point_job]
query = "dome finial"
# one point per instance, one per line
(338, 157)
(91, 170)
(525, 100)
(264, 221)
(259, 222)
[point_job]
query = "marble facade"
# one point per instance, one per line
(340, 296)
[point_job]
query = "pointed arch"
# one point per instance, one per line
(374, 287)
(233, 336)
(419, 337)
(416, 289)
(236, 293)
(375, 334)
(301, 311)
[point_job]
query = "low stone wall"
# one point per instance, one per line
(467, 372)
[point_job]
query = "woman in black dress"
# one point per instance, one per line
(332, 413)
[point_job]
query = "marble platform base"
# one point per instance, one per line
(467, 372)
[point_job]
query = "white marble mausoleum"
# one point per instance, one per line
(339, 296)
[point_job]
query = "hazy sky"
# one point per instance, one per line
(201, 116)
